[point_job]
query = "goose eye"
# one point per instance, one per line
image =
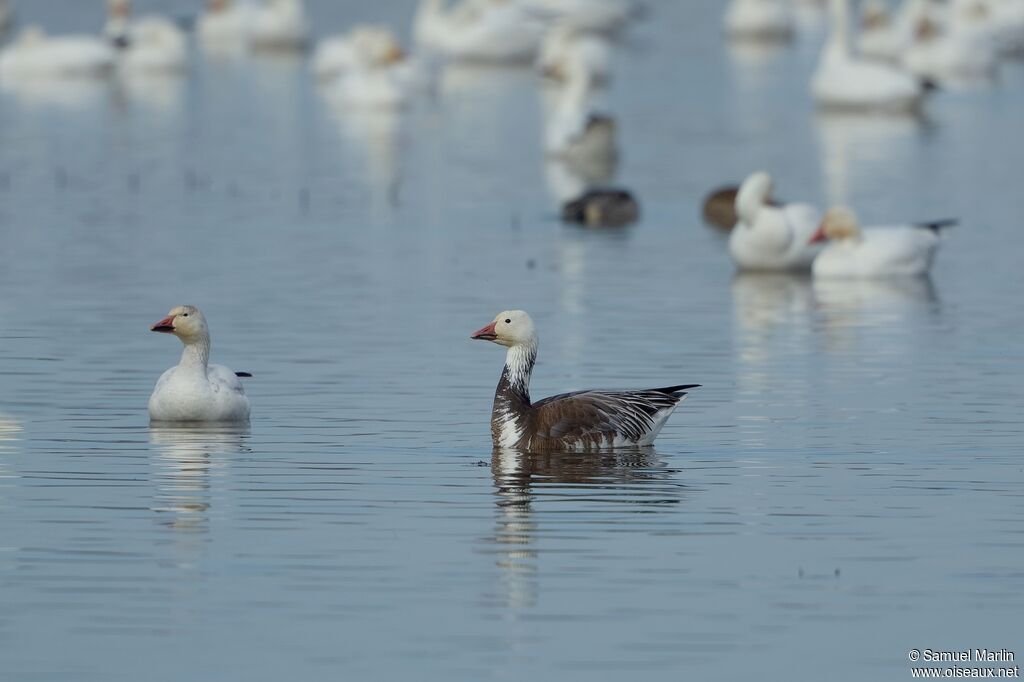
(184, 314)
(508, 321)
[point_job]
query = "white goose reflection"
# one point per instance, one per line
(378, 132)
(521, 478)
(873, 314)
(190, 458)
(853, 147)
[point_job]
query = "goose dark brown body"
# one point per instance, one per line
(583, 420)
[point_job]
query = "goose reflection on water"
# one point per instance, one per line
(191, 457)
(524, 481)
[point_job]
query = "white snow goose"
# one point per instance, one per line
(845, 81)
(195, 390)
(584, 420)
(33, 54)
(768, 236)
(855, 252)
(767, 20)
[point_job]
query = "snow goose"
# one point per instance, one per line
(364, 44)
(844, 81)
(194, 389)
(903, 250)
(489, 31)
(963, 51)
(602, 208)
(34, 54)
(584, 420)
(769, 20)
(768, 236)
(224, 25)
(573, 130)
(884, 36)
(151, 44)
(279, 25)
(564, 44)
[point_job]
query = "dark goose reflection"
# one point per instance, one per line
(191, 459)
(546, 496)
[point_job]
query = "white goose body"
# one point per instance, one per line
(770, 237)
(963, 52)
(489, 31)
(154, 45)
(194, 389)
(574, 131)
(34, 54)
(279, 25)
(842, 80)
(892, 251)
(579, 421)
(759, 20)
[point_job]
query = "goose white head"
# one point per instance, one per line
(120, 9)
(839, 223)
(218, 5)
(186, 322)
(510, 328)
(753, 194)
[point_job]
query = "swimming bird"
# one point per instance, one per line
(845, 81)
(768, 236)
(963, 51)
(194, 389)
(574, 130)
(364, 44)
(767, 20)
(34, 54)
(901, 250)
(565, 43)
(488, 31)
(225, 25)
(279, 25)
(609, 207)
(584, 420)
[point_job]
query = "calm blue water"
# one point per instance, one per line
(846, 486)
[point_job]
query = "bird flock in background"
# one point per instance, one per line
(878, 59)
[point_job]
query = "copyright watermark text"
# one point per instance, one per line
(960, 663)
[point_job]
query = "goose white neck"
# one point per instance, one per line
(839, 35)
(196, 354)
(519, 365)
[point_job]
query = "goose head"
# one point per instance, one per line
(755, 192)
(186, 322)
(215, 6)
(510, 328)
(119, 9)
(838, 224)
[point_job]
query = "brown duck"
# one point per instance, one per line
(583, 420)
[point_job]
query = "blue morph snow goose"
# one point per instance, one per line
(583, 420)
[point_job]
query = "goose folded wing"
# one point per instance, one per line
(628, 414)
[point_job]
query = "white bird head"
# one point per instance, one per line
(186, 322)
(509, 328)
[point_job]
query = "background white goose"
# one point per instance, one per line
(962, 51)
(844, 80)
(279, 25)
(770, 20)
(584, 420)
(768, 236)
(574, 130)
(34, 54)
(491, 31)
(564, 44)
(150, 44)
(224, 25)
(194, 389)
(899, 250)
(363, 44)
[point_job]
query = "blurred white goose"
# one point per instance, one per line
(842, 80)
(224, 25)
(573, 130)
(600, 16)
(759, 20)
(151, 44)
(279, 25)
(194, 389)
(34, 54)
(564, 43)
(901, 250)
(364, 44)
(963, 51)
(387, 84)
(885, 37)
(493, 31)
(768, 236)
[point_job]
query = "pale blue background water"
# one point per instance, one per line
(846, 486)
